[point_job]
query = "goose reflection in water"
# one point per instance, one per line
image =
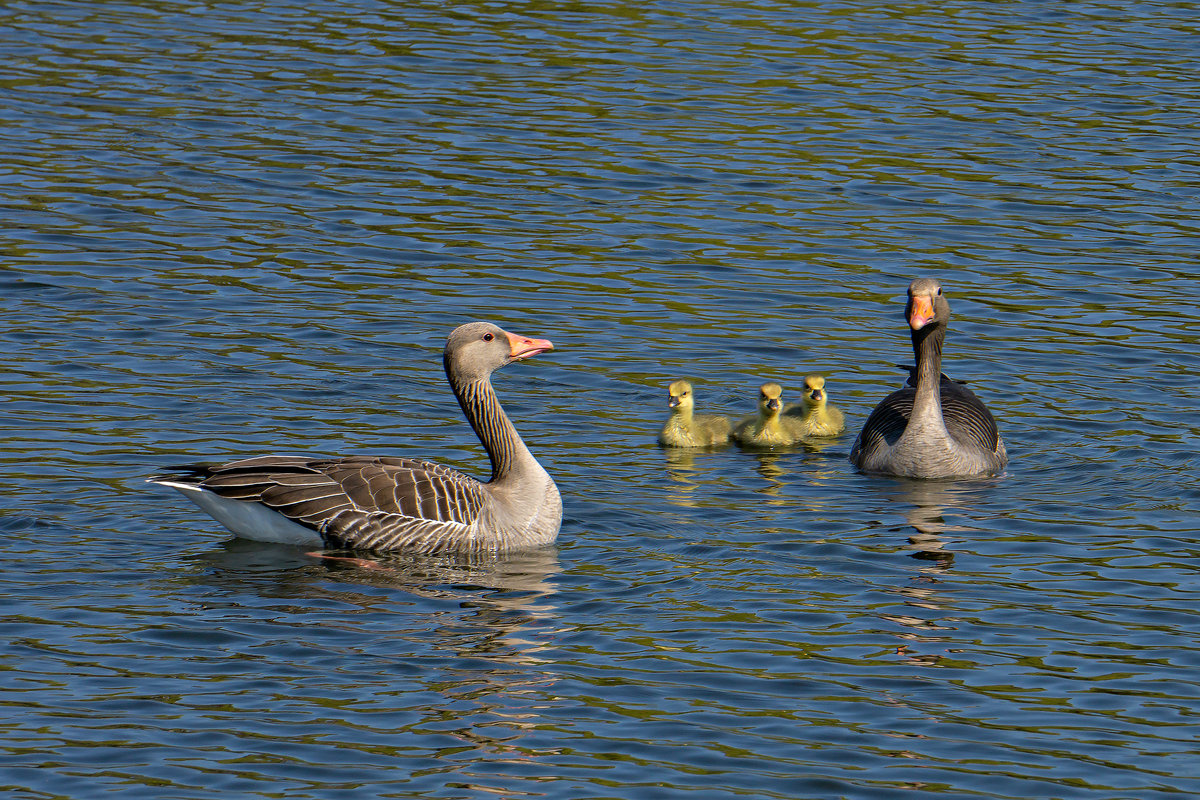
(926, 516)
(475, 627)
(928, 502)
(500, 624)
(503, 599)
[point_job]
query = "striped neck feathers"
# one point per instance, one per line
(482, 409)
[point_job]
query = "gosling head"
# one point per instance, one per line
(814, 391)
(679, 396)
(770, 399)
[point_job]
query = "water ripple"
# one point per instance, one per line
(243, 228)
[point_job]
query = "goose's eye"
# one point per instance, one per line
(487, 337)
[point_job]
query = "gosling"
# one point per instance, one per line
(686, 429)
(768, 428)
(815, 415)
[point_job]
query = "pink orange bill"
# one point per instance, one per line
(920, 312)
(525, 346)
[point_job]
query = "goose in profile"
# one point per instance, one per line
(769, 427)
(687, 429)
(937, 428)
(815, 415)
(383, 503)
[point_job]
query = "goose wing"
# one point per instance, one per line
(371, 503)
(966, 418)
(885, 425)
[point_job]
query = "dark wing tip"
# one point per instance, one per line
(194, 472)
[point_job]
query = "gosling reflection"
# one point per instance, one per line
(774, 477)
(818, 445)
(688, 470)
(787, 476)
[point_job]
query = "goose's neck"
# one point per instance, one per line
(507, 452)
(927, 349)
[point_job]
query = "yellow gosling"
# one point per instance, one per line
(684, 428)
(769, 427)
(815, 415)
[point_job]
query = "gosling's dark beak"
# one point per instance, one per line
(773, 404)
(672, 402)
(817, 394)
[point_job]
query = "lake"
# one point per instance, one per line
(246, 228)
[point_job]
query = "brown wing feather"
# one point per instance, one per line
(360, 502)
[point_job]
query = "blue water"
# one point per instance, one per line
(246, 228)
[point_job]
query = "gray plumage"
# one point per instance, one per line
(385, 503)
(937, 428)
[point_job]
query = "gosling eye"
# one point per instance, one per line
(487, 337)
(939, 291)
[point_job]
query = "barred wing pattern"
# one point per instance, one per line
(966, 417)
(886, 424)
(368, 503)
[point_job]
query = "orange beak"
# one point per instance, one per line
(524, 347)
(920, 311)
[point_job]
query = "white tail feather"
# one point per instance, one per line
(247, 519)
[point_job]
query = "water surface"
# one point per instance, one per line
(247, 228)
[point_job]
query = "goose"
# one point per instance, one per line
(912, 376)
(686, 429)
(384, 503)
(815, 415)
(939, 428)
(768, 428)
